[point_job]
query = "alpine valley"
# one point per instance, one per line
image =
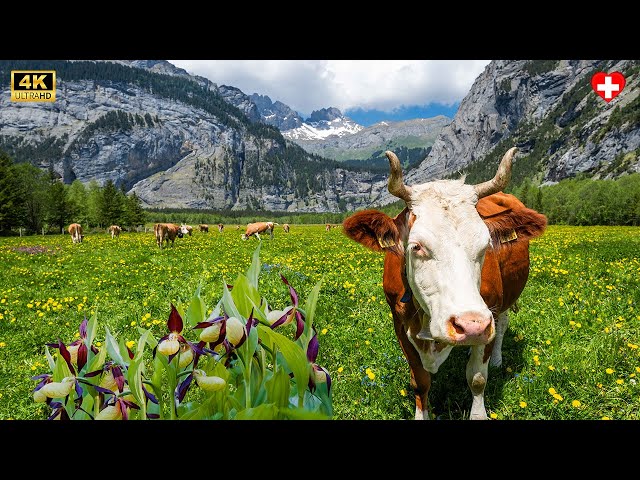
(182, 141)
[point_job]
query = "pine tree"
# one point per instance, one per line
(94, 198)
(135, 213)
(111, 208)
(77, 196)
(11, 195)
(35, 186)
(58, 206)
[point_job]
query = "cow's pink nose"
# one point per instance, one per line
(470, 326)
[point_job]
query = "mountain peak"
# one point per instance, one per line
(325, 114)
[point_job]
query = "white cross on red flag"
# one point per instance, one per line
(608, 85)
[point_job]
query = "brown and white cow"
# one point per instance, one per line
(114, 230)
(204, 228)
(286, 228)
(186, 229)
(456, 259)
(327, 227)
(167, 232)
(220, 227)
(255, 229)
(76, 233)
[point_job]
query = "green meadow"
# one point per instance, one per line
(571, 351)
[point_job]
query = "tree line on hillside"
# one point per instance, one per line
(584, 201)
(33, 200)
(36, 201)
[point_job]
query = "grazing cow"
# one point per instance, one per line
(456, 259)
(165, 232)
(76, 232)
(204, 228)
(257, 228)
(237, 227)
(286, 227)
(186, 229)
(220, 227)
(327, 227)
(115, 230)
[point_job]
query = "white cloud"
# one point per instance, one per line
(307, 85)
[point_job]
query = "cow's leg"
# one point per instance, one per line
(502, 322)
(477, 373)
(420, 378)
(257, 236)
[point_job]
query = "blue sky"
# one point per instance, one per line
(369, 117)
(367, 91)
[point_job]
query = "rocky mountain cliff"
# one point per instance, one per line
(549, 109)
(176, 140)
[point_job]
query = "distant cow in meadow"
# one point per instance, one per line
(456, 260)
(255, 229)
(115, 230)
(285, 227)
(204, 228)
(166, 232)
(220, 227)
(76, 232)
(327, 227)
(186, 229)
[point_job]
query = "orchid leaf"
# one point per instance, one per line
(310, 309)
(266, 411)
(244, 295)
(134, 372)
(294, 355)
(254, 270)
(151, 341)
(98, 360)
(228, 304)
(196, 310)
(113, 349)
(278, 388)
(50, 360)
(61, 369)
(92, 329)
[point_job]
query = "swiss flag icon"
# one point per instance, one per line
(607, 85)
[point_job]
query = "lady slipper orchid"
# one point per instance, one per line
(116, 409)
(213, 331)
(277, 318)
(208, 383)
(236, 331)
(186, 355)
(77, 350)
(169, 345)
(294, 300)
(55, 389)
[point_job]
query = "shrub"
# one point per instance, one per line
(233, 364)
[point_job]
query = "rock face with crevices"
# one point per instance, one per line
(548, 108)
(177, 141)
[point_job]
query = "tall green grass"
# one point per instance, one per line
(576, 335)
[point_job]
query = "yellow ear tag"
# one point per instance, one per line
(385, 243)
(511, 236)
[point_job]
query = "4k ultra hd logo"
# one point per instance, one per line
(33, 85)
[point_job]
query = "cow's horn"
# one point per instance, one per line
(397, 187)
(503, 175)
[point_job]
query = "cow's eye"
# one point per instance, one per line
(419, 250)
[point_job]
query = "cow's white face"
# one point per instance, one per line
(444, 252)
(183, 230)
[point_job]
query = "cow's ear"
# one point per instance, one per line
(373, 229)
